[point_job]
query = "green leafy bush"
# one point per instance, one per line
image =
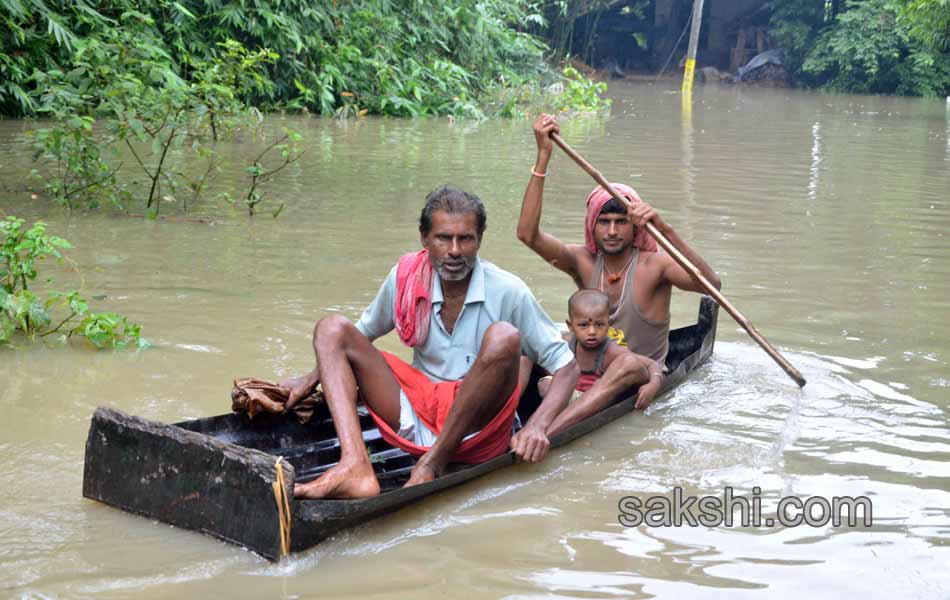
(74, 153)
(869, 50)
(288, 152)
(869, 46)
(123, 91)
(570, 92)
(929, 22)
(162, 85)
(22, 309)
(399, 57)
(794, 25)
(581, 94)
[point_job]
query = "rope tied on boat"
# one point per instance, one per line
(283, 507)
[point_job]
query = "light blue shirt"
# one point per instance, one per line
(493, 295)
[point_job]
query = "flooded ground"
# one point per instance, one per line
(826, 217)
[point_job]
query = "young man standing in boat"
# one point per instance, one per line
(620, 259)
(468, 323)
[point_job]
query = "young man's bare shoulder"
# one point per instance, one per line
(580, 251)
(655, 261)
(585, 260)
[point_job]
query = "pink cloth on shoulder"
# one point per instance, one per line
(413, 303)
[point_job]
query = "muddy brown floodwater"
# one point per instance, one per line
(826, 217)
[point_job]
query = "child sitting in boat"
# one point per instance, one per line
(588, 312)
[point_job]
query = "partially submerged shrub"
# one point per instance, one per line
(581, 94)
(23, 310)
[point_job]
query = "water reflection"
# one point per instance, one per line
(686, 133)
(813, 171)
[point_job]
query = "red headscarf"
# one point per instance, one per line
(413, 304)
(595, 203)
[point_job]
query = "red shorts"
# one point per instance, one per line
(432, 402)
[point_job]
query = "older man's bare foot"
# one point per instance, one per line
(423, 472)
(355, 480)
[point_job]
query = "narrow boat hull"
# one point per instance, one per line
(217, 475)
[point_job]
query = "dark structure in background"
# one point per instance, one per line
(623, 36)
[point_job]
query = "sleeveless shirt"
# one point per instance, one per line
(628, 325)
(588, 377)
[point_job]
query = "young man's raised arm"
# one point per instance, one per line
(544, 244)
(678, 276)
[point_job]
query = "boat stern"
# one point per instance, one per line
(186, 479)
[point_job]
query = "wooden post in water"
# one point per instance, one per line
(690, 67)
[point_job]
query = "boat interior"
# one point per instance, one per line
(313, 447)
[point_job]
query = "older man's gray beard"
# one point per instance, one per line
(453, 276)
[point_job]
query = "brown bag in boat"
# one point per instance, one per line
(253, 396)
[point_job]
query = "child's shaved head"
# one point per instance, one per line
(588, 302)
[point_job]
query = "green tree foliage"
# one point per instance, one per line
(287, 152)
(397, 57)
(22, 309)
(794, 26)
(870, 46)
(125, 80)
(581, 94)
(929, 21)
(168, 78)
(869, 50)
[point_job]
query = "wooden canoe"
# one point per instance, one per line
(216, 475)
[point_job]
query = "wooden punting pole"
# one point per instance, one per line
(689, 267)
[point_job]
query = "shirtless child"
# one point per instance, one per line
(599, 357)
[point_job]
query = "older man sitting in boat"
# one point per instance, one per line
(468, 323)
(620, 259)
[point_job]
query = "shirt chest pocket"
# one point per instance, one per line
(466, 341)
(459, 360)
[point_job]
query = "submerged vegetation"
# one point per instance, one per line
(23, 310)
(134, 97)
(137, 94)
(122, 107)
